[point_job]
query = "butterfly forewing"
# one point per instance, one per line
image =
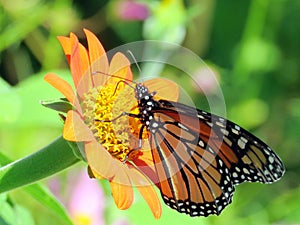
(257, 161)
(247, 157)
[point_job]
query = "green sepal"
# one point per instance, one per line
(60, 105)
(78, 150)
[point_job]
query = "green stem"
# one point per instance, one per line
(255, 24)
(49, 160)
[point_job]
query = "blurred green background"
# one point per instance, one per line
(252, 46)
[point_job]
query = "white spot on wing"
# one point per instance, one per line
(234, 131)
(241, 144)
(154, 125)
(182, 126)
(220, 124)
(224, 131)
(201, 144)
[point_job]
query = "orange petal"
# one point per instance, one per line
(61, 85)
(98, 59)
(122, 194)
(165, 89)
(100, 161)
(152, 200)
(119, 67)
(146, 165)
(66, 44)
(146, 189)
(146, 156)
(75, 129)
(80, 67)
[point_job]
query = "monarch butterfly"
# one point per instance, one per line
(199, 157)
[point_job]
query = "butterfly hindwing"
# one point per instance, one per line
(192, 180)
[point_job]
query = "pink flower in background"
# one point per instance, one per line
(86, 205)
(205, 80)
(131, 10)
(85, 201)
(120, 222)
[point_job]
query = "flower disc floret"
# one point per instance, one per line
(100, 115)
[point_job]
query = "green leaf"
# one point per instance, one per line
(42, 195)
(21, 106)
(46, 198)
(25, 23)
(13, 214)
(243, 113)
(53, 158)
(10, 101)
(23, 216)
(7, 216)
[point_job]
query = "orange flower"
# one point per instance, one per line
(110, 140)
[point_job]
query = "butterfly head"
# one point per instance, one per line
(142, 92)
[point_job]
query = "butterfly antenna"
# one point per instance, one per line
(123, 80)
(134, 59)
(127, 81)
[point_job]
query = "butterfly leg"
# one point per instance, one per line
(119, 116)
(140, 143)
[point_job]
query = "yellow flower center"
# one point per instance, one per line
(82, 219)
(102, 109)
